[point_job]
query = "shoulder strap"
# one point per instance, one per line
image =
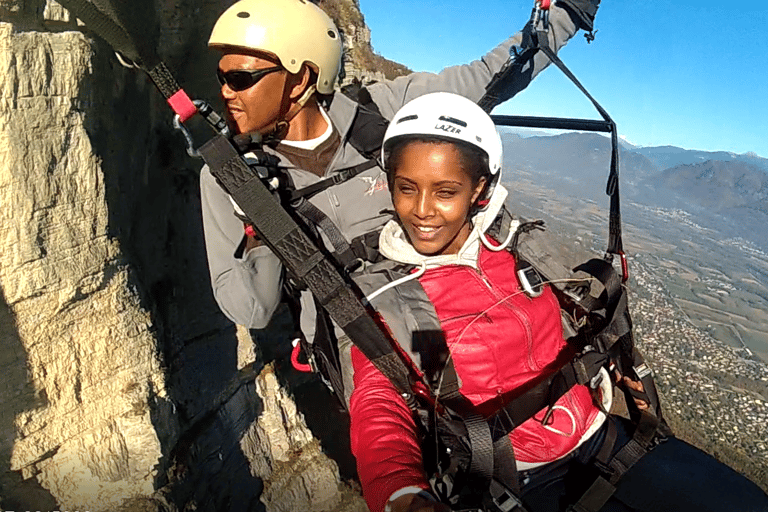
(369, 126)
(366, 136)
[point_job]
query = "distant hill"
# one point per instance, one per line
(720, 185)
(578, 163)
(665, 157)
(728, 192)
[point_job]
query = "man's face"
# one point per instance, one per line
(257, 108)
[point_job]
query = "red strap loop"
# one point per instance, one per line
(299, 367)
(624, 267)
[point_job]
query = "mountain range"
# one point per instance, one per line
(725, 191)
(694, 234)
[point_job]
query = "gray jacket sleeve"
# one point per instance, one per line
(247, 289)
(470, 80)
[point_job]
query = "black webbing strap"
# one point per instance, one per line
(505, 465)
(492, 459)
(581, 370)
(102, 20)
(604, 272)
(342, 250)
(304, 260)
(612, 189)
(164, 80)
(603, 487)
(126, 32)
(481, 462)
(338, 177)
(538, 42)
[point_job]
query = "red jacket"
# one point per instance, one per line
(500, 339)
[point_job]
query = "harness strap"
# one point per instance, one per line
(338, 177)
(504, 465)
(615, 245)
(581, 370)
(603, 271)
(305, 261)
(603, 487)
(342, 250)
(481, 462)
(101, 16)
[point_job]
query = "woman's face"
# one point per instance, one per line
(432, 195)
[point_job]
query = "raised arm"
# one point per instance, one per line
(469, 80)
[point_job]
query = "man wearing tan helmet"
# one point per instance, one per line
(279, 63)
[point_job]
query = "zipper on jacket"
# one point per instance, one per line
(522, 317)
(483, 278)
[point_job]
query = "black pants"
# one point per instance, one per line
(674, 476)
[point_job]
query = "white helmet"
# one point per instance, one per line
(446, 116)
(296, 31)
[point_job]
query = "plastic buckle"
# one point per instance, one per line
(503, 498)
(642, 371)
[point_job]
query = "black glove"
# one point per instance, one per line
(582, 12)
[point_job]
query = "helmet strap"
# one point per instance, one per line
(281, 127)
(300, 103)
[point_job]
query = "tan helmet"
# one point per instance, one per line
(296, 31)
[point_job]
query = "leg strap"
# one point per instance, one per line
(603, 487)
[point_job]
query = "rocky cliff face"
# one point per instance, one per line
(123, 385)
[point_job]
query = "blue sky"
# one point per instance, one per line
(687, 73)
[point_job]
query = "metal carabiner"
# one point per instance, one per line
(191, 151)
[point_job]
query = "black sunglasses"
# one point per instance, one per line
(240, 80)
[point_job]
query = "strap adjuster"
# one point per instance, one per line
(503, 498)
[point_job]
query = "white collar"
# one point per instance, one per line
(312, 144)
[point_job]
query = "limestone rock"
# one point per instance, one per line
(284, 453)
(124, 387)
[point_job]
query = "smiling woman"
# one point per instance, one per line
(439, 166)
(488, 341)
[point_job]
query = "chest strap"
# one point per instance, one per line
(338, 177)
(364, 247)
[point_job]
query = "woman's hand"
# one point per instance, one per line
(635, 385)
(415, 503)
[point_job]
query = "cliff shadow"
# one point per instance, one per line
(329, 423)
(152, 194)
(17, 395)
